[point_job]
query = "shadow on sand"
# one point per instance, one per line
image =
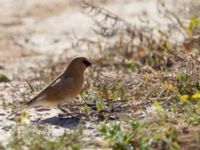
(62, 122)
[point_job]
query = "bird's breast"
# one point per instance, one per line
(72, 90)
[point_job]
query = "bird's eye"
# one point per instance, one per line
(87, 63)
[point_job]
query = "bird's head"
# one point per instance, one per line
(78, 65)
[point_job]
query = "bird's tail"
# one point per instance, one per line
(20, 109)
(29, 104)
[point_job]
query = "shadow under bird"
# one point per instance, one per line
(63, 88)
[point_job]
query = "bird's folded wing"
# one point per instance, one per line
(41, 95)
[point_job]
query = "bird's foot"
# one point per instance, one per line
(66, 113)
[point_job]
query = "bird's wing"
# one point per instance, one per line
(37, 97)
(40, 95)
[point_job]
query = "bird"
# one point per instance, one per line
(64, 88)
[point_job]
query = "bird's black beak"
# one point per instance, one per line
(87, 63)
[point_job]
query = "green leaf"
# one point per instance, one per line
(3, 78)
(181, 77)
(194, 22)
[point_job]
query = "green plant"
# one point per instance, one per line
(194, 22)
(185, 84)
(3, 78)
(120, 139)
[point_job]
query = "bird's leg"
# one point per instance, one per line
(66, 112)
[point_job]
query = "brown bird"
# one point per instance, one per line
(63, 88)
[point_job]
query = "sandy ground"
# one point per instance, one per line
(34, 32)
